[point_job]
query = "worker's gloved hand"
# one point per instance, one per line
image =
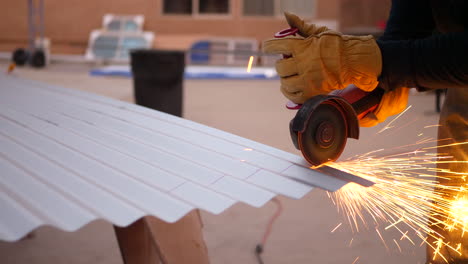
(392, 103)
(323, 60)
(304, 29)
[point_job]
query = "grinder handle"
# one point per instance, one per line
(368, 103)
(362, 102)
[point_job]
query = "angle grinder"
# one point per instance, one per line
(324, 122)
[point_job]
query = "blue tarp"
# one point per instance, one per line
(198, 72)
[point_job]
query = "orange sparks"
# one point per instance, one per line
(249, 66)
(381, 238)
(439, 243)
(334, 229)
(459, 248)
(448, 145)
(391, 122)
(398, 246)
(404, 236)
(350, 242)
(355, 260)
(432, 126)
(406, 195)
(394, 224)
(458, 214)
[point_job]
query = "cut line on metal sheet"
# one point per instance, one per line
(155, 129)
(176, 120)
(258, 202)
(157, 118)
(283, 192)
(38, 114)
(77, 144)
(36, 194)
(173, 185)
(145, 194)
(106, 113)
(61, 130)
(163, 117)
(101, 202)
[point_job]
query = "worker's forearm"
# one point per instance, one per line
(439, 61)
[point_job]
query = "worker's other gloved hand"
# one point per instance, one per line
(323, 60)
(392, 103)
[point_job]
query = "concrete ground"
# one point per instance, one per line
(253, 109)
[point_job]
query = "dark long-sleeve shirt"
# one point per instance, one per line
(414, 55)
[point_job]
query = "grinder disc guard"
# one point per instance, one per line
(321, 127)
(325, 135)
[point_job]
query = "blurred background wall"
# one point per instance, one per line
(178, 23)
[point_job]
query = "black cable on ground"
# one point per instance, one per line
(258, 252)
(259, 249)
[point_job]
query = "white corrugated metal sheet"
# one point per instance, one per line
(68, 157)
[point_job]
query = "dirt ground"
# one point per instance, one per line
(253, 109)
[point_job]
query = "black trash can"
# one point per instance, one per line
(38, 58)
(158, 78)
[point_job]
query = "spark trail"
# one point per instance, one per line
(406, 195)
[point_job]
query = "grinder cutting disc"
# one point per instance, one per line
(325, 135)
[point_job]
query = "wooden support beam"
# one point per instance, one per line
(137, 244)
(150, 240)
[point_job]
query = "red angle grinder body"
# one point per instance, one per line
(323, 123)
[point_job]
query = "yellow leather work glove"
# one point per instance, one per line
(323, 60)
(392, 103)
(304, 29)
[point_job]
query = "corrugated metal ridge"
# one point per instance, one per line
(69, 157)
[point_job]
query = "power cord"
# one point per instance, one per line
(259, 249)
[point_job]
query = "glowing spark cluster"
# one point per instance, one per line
(458, 214)
(406, 195)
